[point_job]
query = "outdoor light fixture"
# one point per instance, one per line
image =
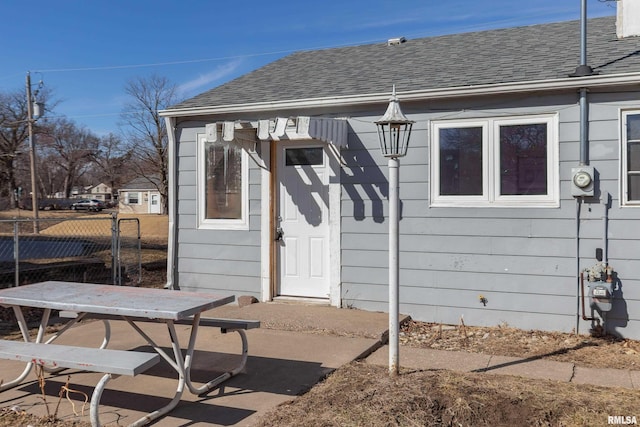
(394, 131)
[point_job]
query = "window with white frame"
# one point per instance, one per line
(495, 162)
(133, 198)
(223, 188)
(630, 158)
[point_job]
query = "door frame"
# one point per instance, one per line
(269, 212)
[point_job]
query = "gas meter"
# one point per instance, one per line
(601, 294)
(601, 285)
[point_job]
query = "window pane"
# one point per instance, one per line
(633, 157)
(523, 159)
(461, 161)
(223, 168)
(303, 156)
(633, 127)
(633, 189)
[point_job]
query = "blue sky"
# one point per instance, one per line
(87, 50)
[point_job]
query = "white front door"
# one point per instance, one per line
(303, 220)
(154, 203)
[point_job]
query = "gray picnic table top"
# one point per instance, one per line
(114, 300)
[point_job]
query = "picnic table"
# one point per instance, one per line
(134, 305)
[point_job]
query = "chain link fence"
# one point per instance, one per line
(97, 250)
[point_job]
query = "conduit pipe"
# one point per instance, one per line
(581, 71)
(605, 227)
(584, 315)
(578, 272)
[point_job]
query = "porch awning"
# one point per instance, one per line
(329, 130)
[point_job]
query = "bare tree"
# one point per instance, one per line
(14, 166)
(146, 130)
(67, 151)
(112, 160)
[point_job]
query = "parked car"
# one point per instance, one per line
(89, 204)
(46, 204)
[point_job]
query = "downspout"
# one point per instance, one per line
(172, 251)
(581, 71)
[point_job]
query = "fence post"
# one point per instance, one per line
(114, 243)
(16, 253)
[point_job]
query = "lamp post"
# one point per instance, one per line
(32, 116)
(394, 131)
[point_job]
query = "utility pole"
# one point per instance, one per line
(32, 157)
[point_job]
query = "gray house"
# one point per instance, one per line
(522, 175)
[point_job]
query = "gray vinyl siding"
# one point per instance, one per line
(220, 261)
(522, 260)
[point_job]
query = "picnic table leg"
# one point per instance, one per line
(177, 363)
(95, 399)
(74, 321)
(24, 329)
(222, 377)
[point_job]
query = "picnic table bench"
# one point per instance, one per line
(225, 325)
(112, 363)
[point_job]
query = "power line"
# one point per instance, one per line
(465, 28)
(195, 61)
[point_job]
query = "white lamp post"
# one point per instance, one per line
(394, 131)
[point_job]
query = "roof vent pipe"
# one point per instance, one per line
(396, 41)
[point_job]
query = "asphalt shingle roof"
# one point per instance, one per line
(142, 183)
(520, 54)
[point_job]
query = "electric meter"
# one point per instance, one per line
(582, 181)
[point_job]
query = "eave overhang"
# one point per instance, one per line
(564, 84)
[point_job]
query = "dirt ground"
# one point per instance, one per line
(360, 394)
(364, 395)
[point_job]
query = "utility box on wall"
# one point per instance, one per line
(582, 181)
(601, 294)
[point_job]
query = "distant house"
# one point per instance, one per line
(101, 192)
(140, 195)
(523, 170)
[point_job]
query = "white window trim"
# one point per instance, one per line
(139, 202)
(220, 224)
(491, 158)
(624, 191)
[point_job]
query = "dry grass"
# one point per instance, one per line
(155, 228)
(360, 394)
(583, 350)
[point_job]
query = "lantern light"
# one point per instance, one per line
(394, 129)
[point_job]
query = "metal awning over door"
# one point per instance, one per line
(329, 130)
